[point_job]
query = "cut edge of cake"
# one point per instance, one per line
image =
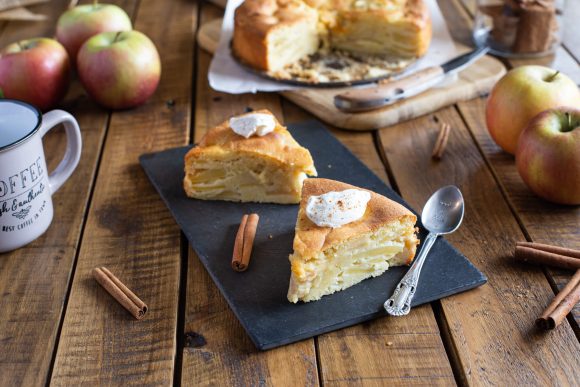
(270, 34)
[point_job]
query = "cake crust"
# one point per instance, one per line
(278, 145)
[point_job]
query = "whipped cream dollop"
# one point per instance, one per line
(251, 124)
(335, 209)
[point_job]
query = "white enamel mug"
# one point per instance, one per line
(26, 187)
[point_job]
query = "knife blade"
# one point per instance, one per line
(360, 100)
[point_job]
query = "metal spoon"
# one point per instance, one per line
(441, 215)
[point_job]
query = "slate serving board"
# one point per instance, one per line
(258, 296)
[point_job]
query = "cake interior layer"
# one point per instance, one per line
(289, 43)
(243, 178)
(370, 34)
(344, 265)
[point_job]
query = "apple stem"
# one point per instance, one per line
(553, 76)
(117, 36)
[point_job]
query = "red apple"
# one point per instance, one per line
(520, 95)
(119, 69)
(36, 71)
(548, 155)
(78, 24)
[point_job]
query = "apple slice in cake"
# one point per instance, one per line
(344, 235)
(249, 158)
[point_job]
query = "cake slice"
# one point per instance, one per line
(262, 163)
(326, 259)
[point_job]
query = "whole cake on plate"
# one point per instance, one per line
(271, 34)
(345, 234)
(249, 158)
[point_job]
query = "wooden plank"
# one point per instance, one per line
(543, 221)
(34, 280)
(217, 349)
(561, 61)
(491, 329)
(130, 231)
(393, 351)
(540, 220)
(219, 352)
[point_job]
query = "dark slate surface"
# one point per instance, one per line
(258, 296)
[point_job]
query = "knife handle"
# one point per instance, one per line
(388, 92)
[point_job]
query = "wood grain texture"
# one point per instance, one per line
(491, 329)
(34, 280)
(11, 4)
(21, 14)
(130, 231)
(361, 144)
(387, 351)
(544, 222)
(470, 83)
(217, 350)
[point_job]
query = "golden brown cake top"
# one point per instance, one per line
(262, 15)
(278, 145)
(311, 239)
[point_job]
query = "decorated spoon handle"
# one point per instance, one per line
(400, 302)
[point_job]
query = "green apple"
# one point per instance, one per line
(548, 155)
(119, 70)
(520, 95)
(79, 23)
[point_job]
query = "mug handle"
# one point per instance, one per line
(74, 144)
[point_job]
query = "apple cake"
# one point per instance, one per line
(271, 34)
(249, 158)
(331, 257)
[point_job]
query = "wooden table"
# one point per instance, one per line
(58, 326)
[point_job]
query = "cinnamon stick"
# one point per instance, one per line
(562, 304)
(244, 242)
(441, 141)
(551, 249)
(541, 257)
(120, 292)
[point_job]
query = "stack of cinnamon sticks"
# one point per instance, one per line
(523, 26)
(564, 301)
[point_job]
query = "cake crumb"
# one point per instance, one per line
(389, 343)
